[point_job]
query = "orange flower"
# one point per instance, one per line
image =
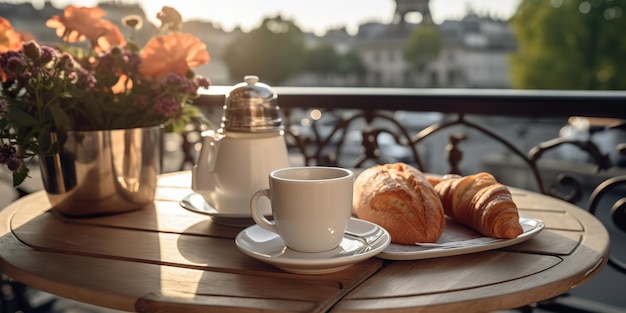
(123, 84)
(10, 40)
(173, 53)
(80, 23)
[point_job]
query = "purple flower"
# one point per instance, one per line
(15, 64)
(132, 60)
(106, 64)
(72, 77)
(82, 78)
(179, 83)
(203, 82)
(172, 79)
(4, 57)
(166, 106)
(47, 54)
(25, 75)
(15, 165)
(66, 62)
(7, 153)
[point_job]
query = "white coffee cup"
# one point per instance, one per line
(311, 206)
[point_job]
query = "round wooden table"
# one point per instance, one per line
(163, 258)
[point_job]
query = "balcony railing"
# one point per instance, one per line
(515, 134)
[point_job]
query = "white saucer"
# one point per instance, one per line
(195, 202)
(268, 247)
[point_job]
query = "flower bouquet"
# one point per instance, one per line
(103, 81)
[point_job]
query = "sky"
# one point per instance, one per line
(311, 16)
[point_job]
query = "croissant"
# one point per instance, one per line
(481, 203)
(399, 198)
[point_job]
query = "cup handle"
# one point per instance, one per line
(258, 217)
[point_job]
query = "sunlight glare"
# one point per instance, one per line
(316, 114)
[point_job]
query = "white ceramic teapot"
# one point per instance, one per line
(235, 161)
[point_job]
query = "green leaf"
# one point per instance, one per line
(4, 123)
(176, 126)
(17, 116)
(62, 121)
(19, 177)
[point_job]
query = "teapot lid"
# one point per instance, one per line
(251, 106)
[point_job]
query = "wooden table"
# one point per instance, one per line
(166, 259)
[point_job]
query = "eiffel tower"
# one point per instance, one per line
(403, 7)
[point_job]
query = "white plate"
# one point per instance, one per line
(195, 202)
(458, 239)
(268, 247)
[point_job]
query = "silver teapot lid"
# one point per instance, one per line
(251, 106)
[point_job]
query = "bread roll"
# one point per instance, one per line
(399, 198)
(481, 203)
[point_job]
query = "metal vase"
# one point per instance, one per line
(104, 172)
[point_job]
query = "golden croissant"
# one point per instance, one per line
(399, 198)
(479, 202)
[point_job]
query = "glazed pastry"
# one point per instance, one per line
(481, 203)
(399, 198)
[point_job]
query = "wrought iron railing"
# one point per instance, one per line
(346, 127)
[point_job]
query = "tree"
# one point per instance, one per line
(274, 51)
(569, 45)
(324, 60)
(351, 63)
(424, 45)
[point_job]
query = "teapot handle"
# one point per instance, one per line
(206, 158)
(212, 142)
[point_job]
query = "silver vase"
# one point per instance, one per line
(104, 172)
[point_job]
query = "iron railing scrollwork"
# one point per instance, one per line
(321, 149)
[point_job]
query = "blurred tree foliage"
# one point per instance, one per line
(274, 51)
(424, 44)
(321, 60)
(325, 60)
(570, 44)
(351, 63)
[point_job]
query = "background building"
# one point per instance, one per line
(474, 55)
